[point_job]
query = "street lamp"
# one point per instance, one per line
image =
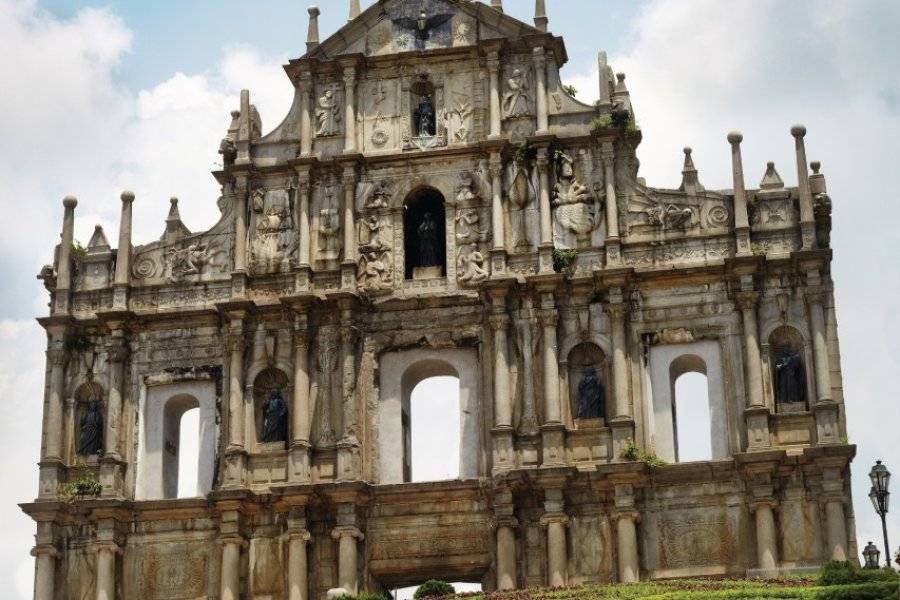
(871, 553)
(880, 497)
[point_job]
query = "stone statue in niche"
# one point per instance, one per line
(790, 378)
(515, 100)
(328, 114)
(90, 436)
(591, 396)
(576, 214)
(426, 119)
(274, 237)
(471, 268)
(427, 233)
(274, 419)
(329, 227)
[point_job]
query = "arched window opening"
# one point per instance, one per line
(588, 385)
(786, 352)
(189, 454)
(434, 430)
(271, 395)
(691, 410)
(424, 235)
(174, 432)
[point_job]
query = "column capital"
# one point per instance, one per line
(540, 56)
(349, 75)
(758, 503)
(499, 321)
(301, 535)
(550, 518)
(235, 341)
(117, 351)
(58, 357)
(232, 539)
(543, 158)
(305, 81)
(347, 531)
(45, 550)
(548, 318)
(617, 311)
(608, 154)
(746, 300)
(112, 547)
(627, 515)
(493, 61)
(505, 521)
(815, 295)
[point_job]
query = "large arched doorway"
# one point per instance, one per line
(425, 234)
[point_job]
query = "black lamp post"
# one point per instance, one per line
(880, 497)
(871, 554)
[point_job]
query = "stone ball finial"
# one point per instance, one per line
(314, 11)
(735, 137)
(127, 196)
(770, 165)
(798, 131)
(70, 202)
(235, 114)
(620, 77)
(688, 150)
(815, 166)
(173, 201)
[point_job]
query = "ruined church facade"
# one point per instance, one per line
(436, 202)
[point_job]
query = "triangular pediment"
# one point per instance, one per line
(396, 26)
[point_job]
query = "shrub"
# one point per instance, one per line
(434, 589)
(844, 572)
(866, 591)
(563, 260)
(86, 486)
(632, 452)
(570, 90)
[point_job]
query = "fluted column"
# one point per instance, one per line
(305, 245)
(106, 571)
(64, 260)
(825, 408)
(757, 413)
(348, 446)
(526, 326)
(502, 402)
(230, 579)
(44, 572)
(627, 547)
(617, 313)
(497, 221)
(608, 156)
(506, 553)
(350, 111)
(741, 219)
(493, 64)
(557, 554)
(550, 352)
(123, 254)
(300, 442)
(117, 355)
(540, 71)
(543, 166)
(348, 560)
(235, 452)
(305, 88)
(766, 536)
(240, 226)
(348, 183)
(298, 567)
(57, 356)
(807, 218)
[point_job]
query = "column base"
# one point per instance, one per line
(299, 462)
(503, 449)
(553, 440)
(49, 479)
(120, 297)
(238, 284)
(348, 459)
(742, 241)
(545, 258)
(622, 434)
(808, 235)
(235, 468)
(498, 262)
(757, 421)
(348, 275)
(112, 477)
(826, 422)
(613, 252)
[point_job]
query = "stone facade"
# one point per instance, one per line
(565, 293)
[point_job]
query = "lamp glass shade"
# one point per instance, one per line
(880, 476)
(871, 554)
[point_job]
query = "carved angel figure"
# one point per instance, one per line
(181, 262)
(467, 231)
(328, 114)
(380, 196)
(471, 268)
(669, 216)
(464, 191)
(515, 100)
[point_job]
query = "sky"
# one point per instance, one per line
(104, 96)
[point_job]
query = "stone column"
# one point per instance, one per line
(627, 547)
(305, 88)
(230, 580)
(617, 313)
(557, 555)
(112, 464)
(825, 407)
(348, 183)
(57, 357)
(348, 446)
(540, 71)
(123, 254)
(305, 244)
(836, 525)
(350, 112)
(766, 536)
(298, 568)
(502, 402)
(235, 452)
(807, 218)
(549, 319)
(300, 443)
(493, 64)
(44, 572)
(497, 221)
(741, 220)
(756, 413)
(526, 326)
(64, 260)
(608, 156)
(506, 553)
(348, 576)
(240, 226)
(543, 166)
(106, 571)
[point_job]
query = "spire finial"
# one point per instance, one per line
(354, 9)
(771, 180)
(540, 15)
(175, 228)
(690, 180)
(312, 36)
(497, 5)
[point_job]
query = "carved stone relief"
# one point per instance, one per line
(273, 241)
(375, 268)
(516, 101)
(328, 112)
(576, 213)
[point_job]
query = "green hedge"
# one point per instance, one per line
(434, 589)
(865, 591)
(843, 572)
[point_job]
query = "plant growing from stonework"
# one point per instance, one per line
(601, 124)
(78, 342)
(85, 486)
(570, 90)
(564, 260)
(79, 252)
(631, 126)
(633, 453)
(524, 152)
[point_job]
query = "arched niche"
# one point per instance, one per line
(425, 234)
(589, 390)
(268, 381)
(399, 373)
(89, 425)
(787, 366)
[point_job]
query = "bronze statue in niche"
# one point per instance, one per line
(426, 119)
(90, 436)
(591, 401)
(790, 376)
(275, 414)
